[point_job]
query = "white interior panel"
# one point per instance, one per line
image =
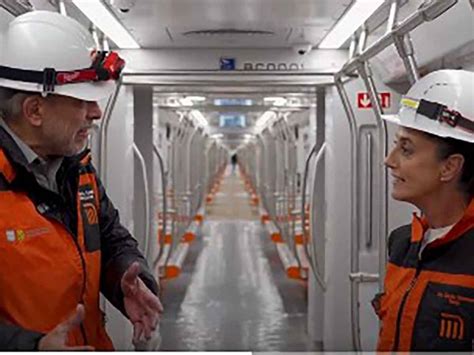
(119, 184)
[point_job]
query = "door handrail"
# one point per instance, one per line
(369, 172)
(313, 260)
(139, 155)
(165, 200)
(303, 188)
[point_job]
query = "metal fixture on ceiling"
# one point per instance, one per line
(228, 32)
(16, 8)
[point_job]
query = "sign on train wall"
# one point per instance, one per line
(323, 61)
(363, 100)
(226, 63)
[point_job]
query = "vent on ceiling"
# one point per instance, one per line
(228, 32)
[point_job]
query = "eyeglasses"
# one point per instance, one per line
(105, 66)
(438, 112)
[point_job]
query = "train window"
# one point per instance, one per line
(232, 120)
(233, 102)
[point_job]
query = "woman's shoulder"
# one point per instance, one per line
(399, 240)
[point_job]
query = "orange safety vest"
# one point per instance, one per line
(45, 272)
(428, 304)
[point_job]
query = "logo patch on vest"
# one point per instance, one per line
(42, 208)
(86, 193)
(11, 236)
(90, 218)
(451, 326)
(91, 213)
(19, 235)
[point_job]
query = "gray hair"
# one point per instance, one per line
(11, 102)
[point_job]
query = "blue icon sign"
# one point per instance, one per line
(227, 63)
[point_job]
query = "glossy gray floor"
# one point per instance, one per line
(233, 294)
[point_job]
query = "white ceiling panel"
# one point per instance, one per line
(225, 23)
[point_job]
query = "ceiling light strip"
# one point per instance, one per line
(201, 120)
(101, 17)
(359, 12)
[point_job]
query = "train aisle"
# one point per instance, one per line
(233, 294)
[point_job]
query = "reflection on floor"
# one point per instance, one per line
(233, 294)
(231, 202)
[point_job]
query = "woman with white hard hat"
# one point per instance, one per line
(428, 298)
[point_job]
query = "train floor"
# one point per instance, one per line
(233, 293)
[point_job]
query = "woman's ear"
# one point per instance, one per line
(33, 110)
(452, 167)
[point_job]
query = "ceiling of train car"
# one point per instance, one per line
(223, 23)
(230, 23)
(220, 23)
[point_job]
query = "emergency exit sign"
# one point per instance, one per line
(363, 100)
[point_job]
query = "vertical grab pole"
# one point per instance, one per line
(354, 264)
(366, 75)
(392, 15)
(353, 47)
(261, 171)
(403, 44)
(362, 40)
(405, 49)
(290, 178)
(104, 127)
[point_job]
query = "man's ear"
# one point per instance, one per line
(452, 167)
(33, 110)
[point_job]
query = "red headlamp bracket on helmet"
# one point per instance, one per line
(105, 66)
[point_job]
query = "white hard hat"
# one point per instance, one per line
(48, 52)
(441, 103)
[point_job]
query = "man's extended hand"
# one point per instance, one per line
(56, 339)
(141, 305)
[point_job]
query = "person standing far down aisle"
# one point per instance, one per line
(61, 241)
(234, 161)
(428, 298)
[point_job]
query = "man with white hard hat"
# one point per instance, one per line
(428, 298)
(61, 241)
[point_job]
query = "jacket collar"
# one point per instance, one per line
(11, 149)
(29, 154)
(420, 225)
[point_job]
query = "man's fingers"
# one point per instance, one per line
(147, 330)
(153, 303)
(137, 331)
(159, 306)
(73, 321)
(151, 320)
(154, 321)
